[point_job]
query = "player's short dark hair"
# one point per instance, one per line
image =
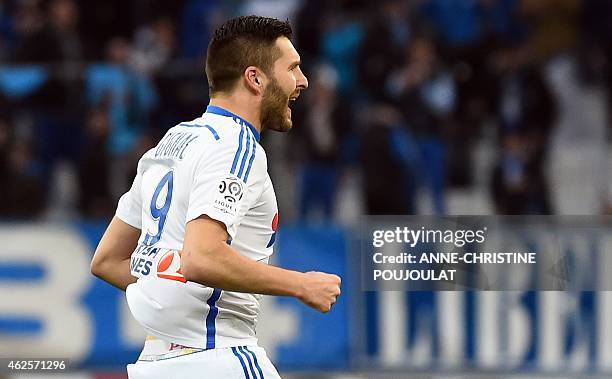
(239, 43)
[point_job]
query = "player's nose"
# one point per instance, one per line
(302, 80)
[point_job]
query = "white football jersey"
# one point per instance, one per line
(210, 166)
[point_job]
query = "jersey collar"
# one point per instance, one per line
(222, 112)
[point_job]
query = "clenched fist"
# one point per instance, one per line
(320, 290)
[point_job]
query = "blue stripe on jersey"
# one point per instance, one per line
(272, 240)
(210, 318)
(248, 358)
(246, 175)
(256, 363)
(246, 153)
(246, 373)
(222, 112)
(212, 130)
(233, 170)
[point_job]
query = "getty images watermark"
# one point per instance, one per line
(486, 253)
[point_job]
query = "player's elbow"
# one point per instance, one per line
(98, 266)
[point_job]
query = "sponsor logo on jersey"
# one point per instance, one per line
(169, 267)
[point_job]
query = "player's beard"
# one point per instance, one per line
(274, 112)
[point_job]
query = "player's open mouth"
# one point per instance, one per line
(291, 100)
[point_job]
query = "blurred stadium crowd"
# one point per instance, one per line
(411, 103)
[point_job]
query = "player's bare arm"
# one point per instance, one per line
(111, 262)
(207, 259)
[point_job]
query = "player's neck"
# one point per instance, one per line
(246, 108)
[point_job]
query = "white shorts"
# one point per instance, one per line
(241, 362)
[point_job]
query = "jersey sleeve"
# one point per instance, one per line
(129, 209)
(226, 182)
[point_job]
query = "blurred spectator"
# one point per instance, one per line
(55, 41)
(308, 29)
(178, 94)
(526, 114)
(506, 24)
(389, 157)
(50, 39)
(130, 96)
(95, 200)
(32, 42)
(425, 93)
(459, 24)
(596, 47)
(511, 184)
(197, 20)
(461, 28)
(380, 53)
(323, 120)
(102, 21)
(63, 22)
(340, 40)
(154, 45)
(6, 29)
(63, 28)
(554, 25)
(5, 140)
(24, 186)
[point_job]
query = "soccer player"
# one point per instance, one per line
(191, 239)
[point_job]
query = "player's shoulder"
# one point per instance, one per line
(238, 144)
(219, 129)
(222, 135)
(201, 136)
(234, 132)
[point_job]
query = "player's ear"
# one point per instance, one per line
(254, 80)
